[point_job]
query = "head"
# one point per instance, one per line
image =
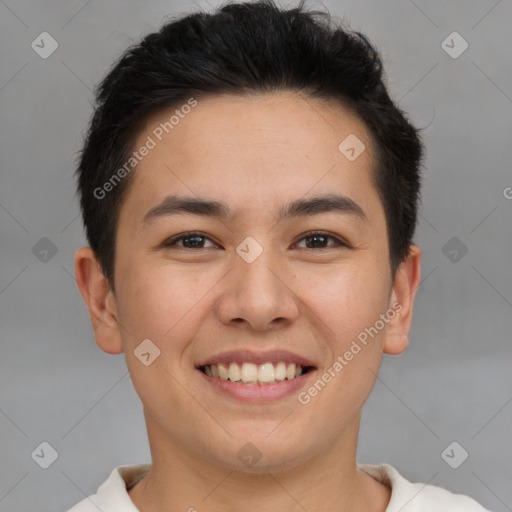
(264, 125)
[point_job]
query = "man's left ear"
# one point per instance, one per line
(405, 285)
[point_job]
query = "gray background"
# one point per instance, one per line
(453, 384)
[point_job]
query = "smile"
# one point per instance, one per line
(254, 374)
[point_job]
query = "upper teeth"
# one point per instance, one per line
(250, 373)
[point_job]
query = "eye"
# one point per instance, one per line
(192, 240)
(196, 240)
(319, 239)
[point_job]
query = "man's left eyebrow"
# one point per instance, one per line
(322, 204)
(174, 205)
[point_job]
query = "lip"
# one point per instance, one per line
(255, 357)
(257, 393)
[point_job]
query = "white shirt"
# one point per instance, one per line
(112, 495)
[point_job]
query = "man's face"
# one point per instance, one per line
(253, 281)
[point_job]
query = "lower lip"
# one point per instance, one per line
(257, 392)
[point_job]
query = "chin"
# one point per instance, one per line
(261, 454)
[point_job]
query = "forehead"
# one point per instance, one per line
(253, 121)
(266, 148)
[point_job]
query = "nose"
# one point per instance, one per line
(259, 294)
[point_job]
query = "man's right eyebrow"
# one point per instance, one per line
(174, 205)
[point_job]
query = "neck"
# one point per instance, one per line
(183, 480)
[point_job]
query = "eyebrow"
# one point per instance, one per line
(174, 205)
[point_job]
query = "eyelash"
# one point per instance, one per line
(338, 242)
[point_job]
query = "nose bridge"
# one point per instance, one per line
(258, 265)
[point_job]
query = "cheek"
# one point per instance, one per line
(347, 299)
(160, 304)
(157, 305)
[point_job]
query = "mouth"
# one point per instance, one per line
(255, 376)
(271, 372)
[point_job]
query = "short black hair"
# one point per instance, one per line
(240, 49)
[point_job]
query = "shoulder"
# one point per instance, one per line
(419, 497)
(112, 494)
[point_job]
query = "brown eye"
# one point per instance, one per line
(319, 240)
(193, 240)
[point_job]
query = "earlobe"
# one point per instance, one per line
(99, 299)
(396, 343)
(405, 285)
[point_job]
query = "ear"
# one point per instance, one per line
(100, 301)
(405, 285)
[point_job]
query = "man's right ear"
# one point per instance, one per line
(100, 301)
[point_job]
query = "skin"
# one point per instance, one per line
(255, 154)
